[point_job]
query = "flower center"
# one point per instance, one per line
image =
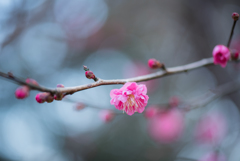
(131, 100)
(131, 104)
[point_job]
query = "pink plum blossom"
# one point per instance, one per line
(213, 156)
(211, 129)
(130, 98)
(221, 55)
(106, 115)
(22, 92)
(167, 127)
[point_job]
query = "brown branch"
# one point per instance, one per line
(159, 74)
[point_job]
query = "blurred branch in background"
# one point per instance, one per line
(198, 102)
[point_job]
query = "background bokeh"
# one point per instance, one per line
(50, 40)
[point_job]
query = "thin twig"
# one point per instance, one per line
(159, 74)
(231, 34)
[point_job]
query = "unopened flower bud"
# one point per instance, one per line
(234, 55)
(174, 101)
(48, 98)
(22, 92)
(79, 106)
(235, 16)
(85, 68)
(154, 64)
(40, 97)
(151, 112)
(59, 96)
(32, 81)
(106, 115)
(89, 74)
(60, 86)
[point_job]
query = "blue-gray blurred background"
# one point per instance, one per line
(50, 40)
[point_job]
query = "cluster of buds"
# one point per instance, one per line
(48, 97)
(44, 97)
(23, 91)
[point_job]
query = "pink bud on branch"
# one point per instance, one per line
(49, 98)
(79, 106)
(59, 96)
(22, 92)
(106, 115)
(60, 86)
(235, 16)
(234, 55)
(40, 98)
(32, 81)
(89, 74)
(151, 112)
(154, 64)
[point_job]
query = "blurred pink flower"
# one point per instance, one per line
(221, 55)
(167, 126)
(106, 115)
(79, 106)
(174, 101)
(130, 98)
(211, 129)
(213, 156)
(151, 112)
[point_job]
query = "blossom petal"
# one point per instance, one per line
(141, 89)
(131, 98)
(115, 92)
